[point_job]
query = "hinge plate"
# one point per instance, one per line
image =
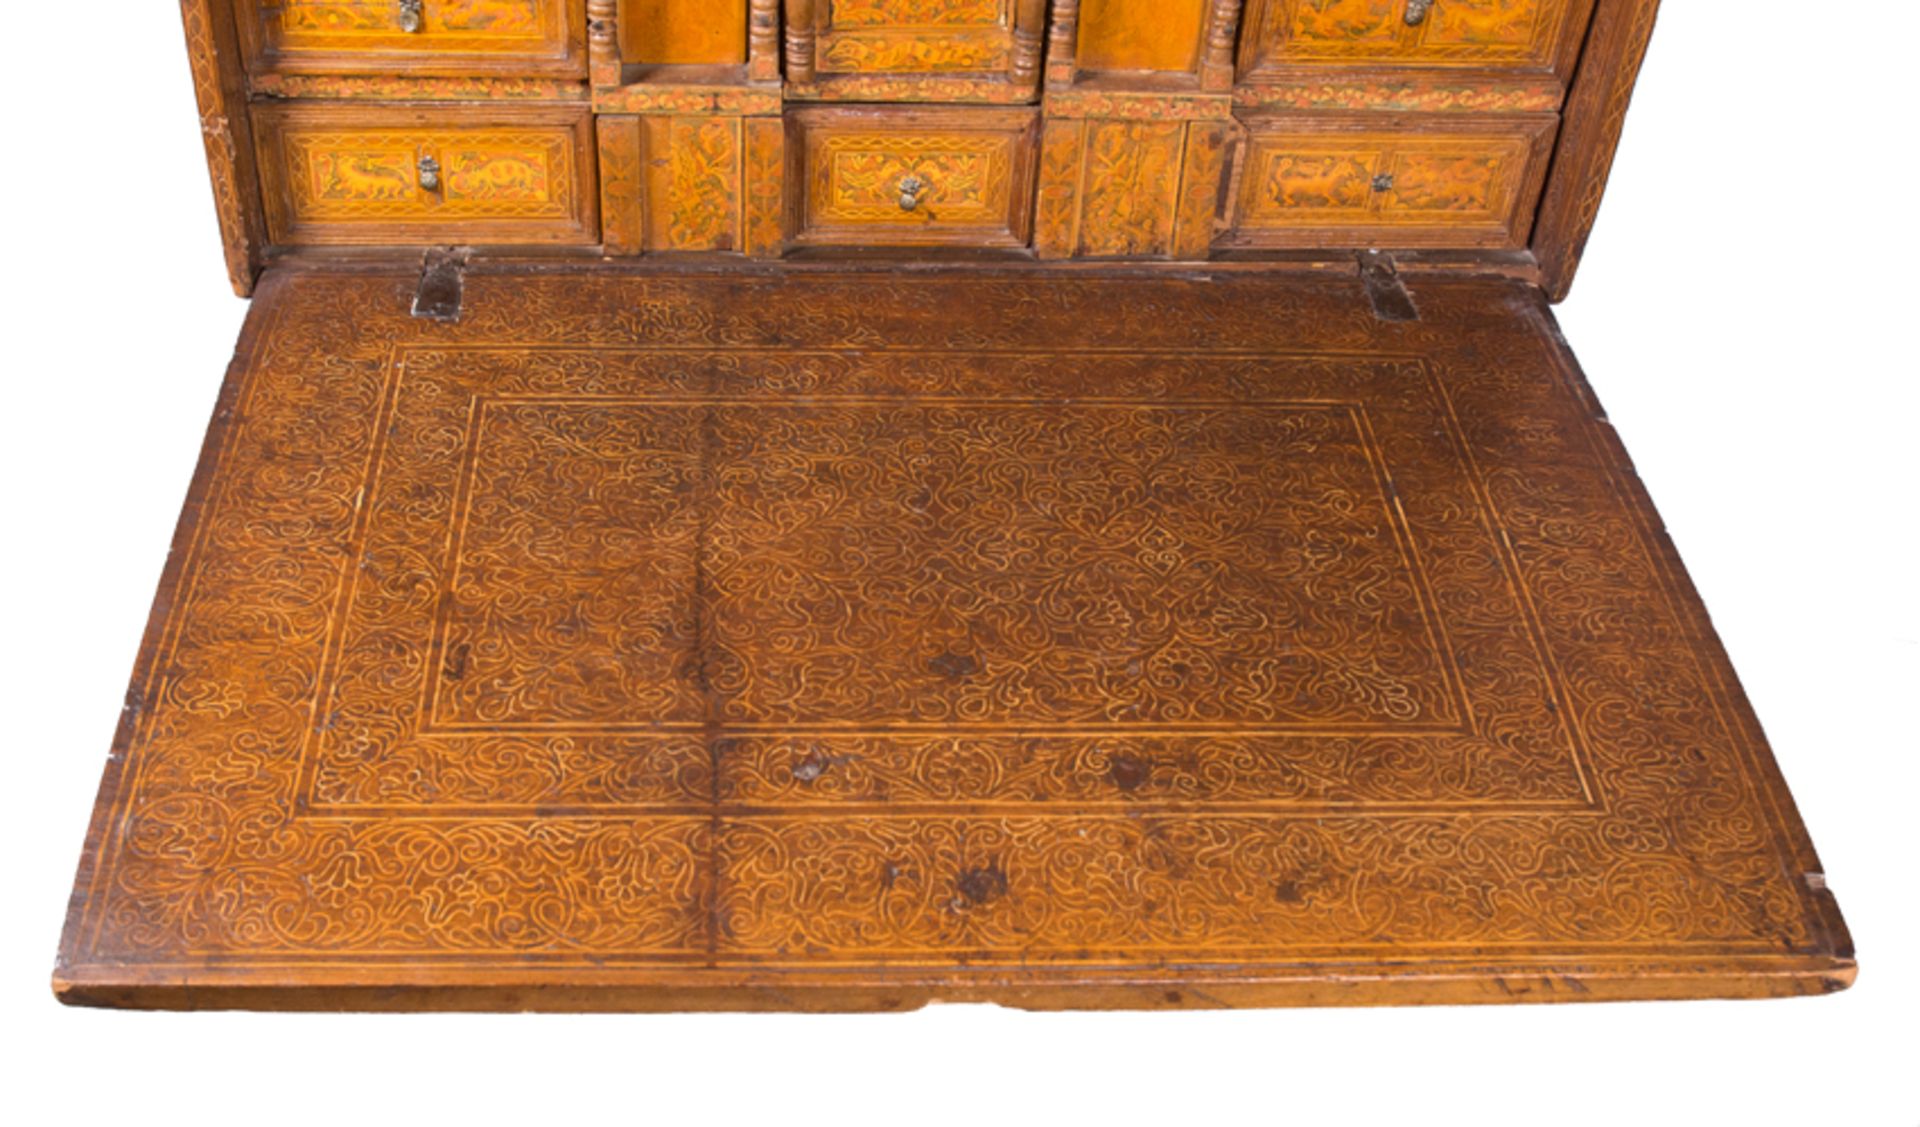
(443, 284)
(1391, 301)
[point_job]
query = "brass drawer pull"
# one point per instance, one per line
(1417, 12)
(412, 19)
(1383, 182)
(910, 189)
(429, 174)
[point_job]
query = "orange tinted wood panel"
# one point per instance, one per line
(1318, 181)
(1129, 35)
(915, 178)
(399, 177)
(457, 37)
(693, 175)
(1478, 33)
(914, 36)
(689, 32)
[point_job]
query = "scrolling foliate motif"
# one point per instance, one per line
(965, 179)
(914, 37)
(374, 175)
(225, 131)
(418, 88)
(704, 200)
(868, 54)
(1297, 179)
(1056, 218)
(432, 577)
(1131, 181)
(765, 178)
(1447, 31)
(622, 218)
(917, 13)
(495, 18)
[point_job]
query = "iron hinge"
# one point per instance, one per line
(1391, 301)
(443, 284)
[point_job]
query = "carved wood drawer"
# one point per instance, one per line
(1348, 180)
(1440, 33)
(398, 176)
(454, 37)
(966, 50)
(913, 177)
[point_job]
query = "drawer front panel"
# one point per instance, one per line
(400, 177)
(915, 177)
(914, 36)
(1500, 33)
(1312, 183)
(430, 36)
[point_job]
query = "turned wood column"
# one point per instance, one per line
(1029, 31)
(1223, 31)
(603, 42)
(799, 38)
(763, 41)
(1063, 37)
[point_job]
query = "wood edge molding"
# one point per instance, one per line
(1595, 113)
(219, 90)
(638, 990)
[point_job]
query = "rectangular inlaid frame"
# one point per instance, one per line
(765, 750)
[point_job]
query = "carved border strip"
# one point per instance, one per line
(416, 88)
(1397, 94)
(1589, 136)
(748, 100)
(213, 53)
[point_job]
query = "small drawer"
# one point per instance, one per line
(1347, 181)
(1500, 34)
(398, 176)
(913, 177)
(438, 37)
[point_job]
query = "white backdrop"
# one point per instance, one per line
(1745, 313)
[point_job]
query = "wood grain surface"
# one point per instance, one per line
(838, 640)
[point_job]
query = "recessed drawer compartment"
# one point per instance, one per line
(1343, 181)
(356, 175)
(460, 37)
(913, 177)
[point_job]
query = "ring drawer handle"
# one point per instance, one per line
(1417, 12)
(910, 189)
(429, 174)
(412, 19)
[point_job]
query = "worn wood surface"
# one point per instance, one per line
(845, 641)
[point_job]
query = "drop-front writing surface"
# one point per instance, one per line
(853, 640)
